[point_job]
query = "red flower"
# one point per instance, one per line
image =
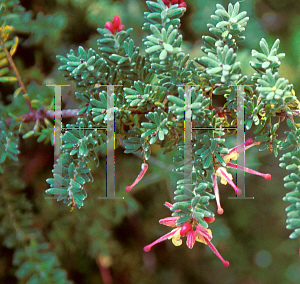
(226, 177)
(167, 2)
(110, 27)
(116, 21)
(193, 230)
(180, 3)
(115, 25)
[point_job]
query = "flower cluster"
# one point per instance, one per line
(193, 231)
(180, 3)
(226, 177)
(115, 25)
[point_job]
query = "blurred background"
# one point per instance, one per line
(103, 241)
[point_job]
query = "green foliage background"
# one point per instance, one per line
(251, 234)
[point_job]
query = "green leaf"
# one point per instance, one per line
(183, 219)
(207, 162)
(28, 134)
(83, 170)
(148, 132)
(214, 70)
(57, 191)
(161, 135)
(176, 100)
(82, 151)
(265, 64)
(264, 46)
(195, 200)
(106, 49)
(290, 184)
(153, 6)
(153, 140)
(172, 36)
(181, 197)
(163, 55)
(2, 157)
(154, 48)
(168, 48)
(82, 53)
(71, 170)
(131, 91)
(293, 223)
(204, 199)
(68, 137)
(155, 31)
(295, 234)
(80, 179)
(199, 215)
(178, 12)
(293, 139)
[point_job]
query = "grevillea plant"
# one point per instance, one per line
(150, 108)
(151, 100)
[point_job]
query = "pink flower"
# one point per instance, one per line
(139, 177)
(115, 25)
(227, 177)
(193, 230)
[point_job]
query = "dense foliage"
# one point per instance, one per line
(156, 88)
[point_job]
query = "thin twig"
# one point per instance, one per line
(151, 160)
(295, 112)
(13, 66)
(41, 114)
(220, 110)
(136, 111)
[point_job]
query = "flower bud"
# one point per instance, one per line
(110, 27)
(116, 22)
(121, 27)
(185, 229)
(209, 219)
(183, 4)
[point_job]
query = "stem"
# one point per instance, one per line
(221, 110)
(295, 112)
(41, 114)
(135, 111)
(13, 66)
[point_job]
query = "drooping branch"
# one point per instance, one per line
(41, 113)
